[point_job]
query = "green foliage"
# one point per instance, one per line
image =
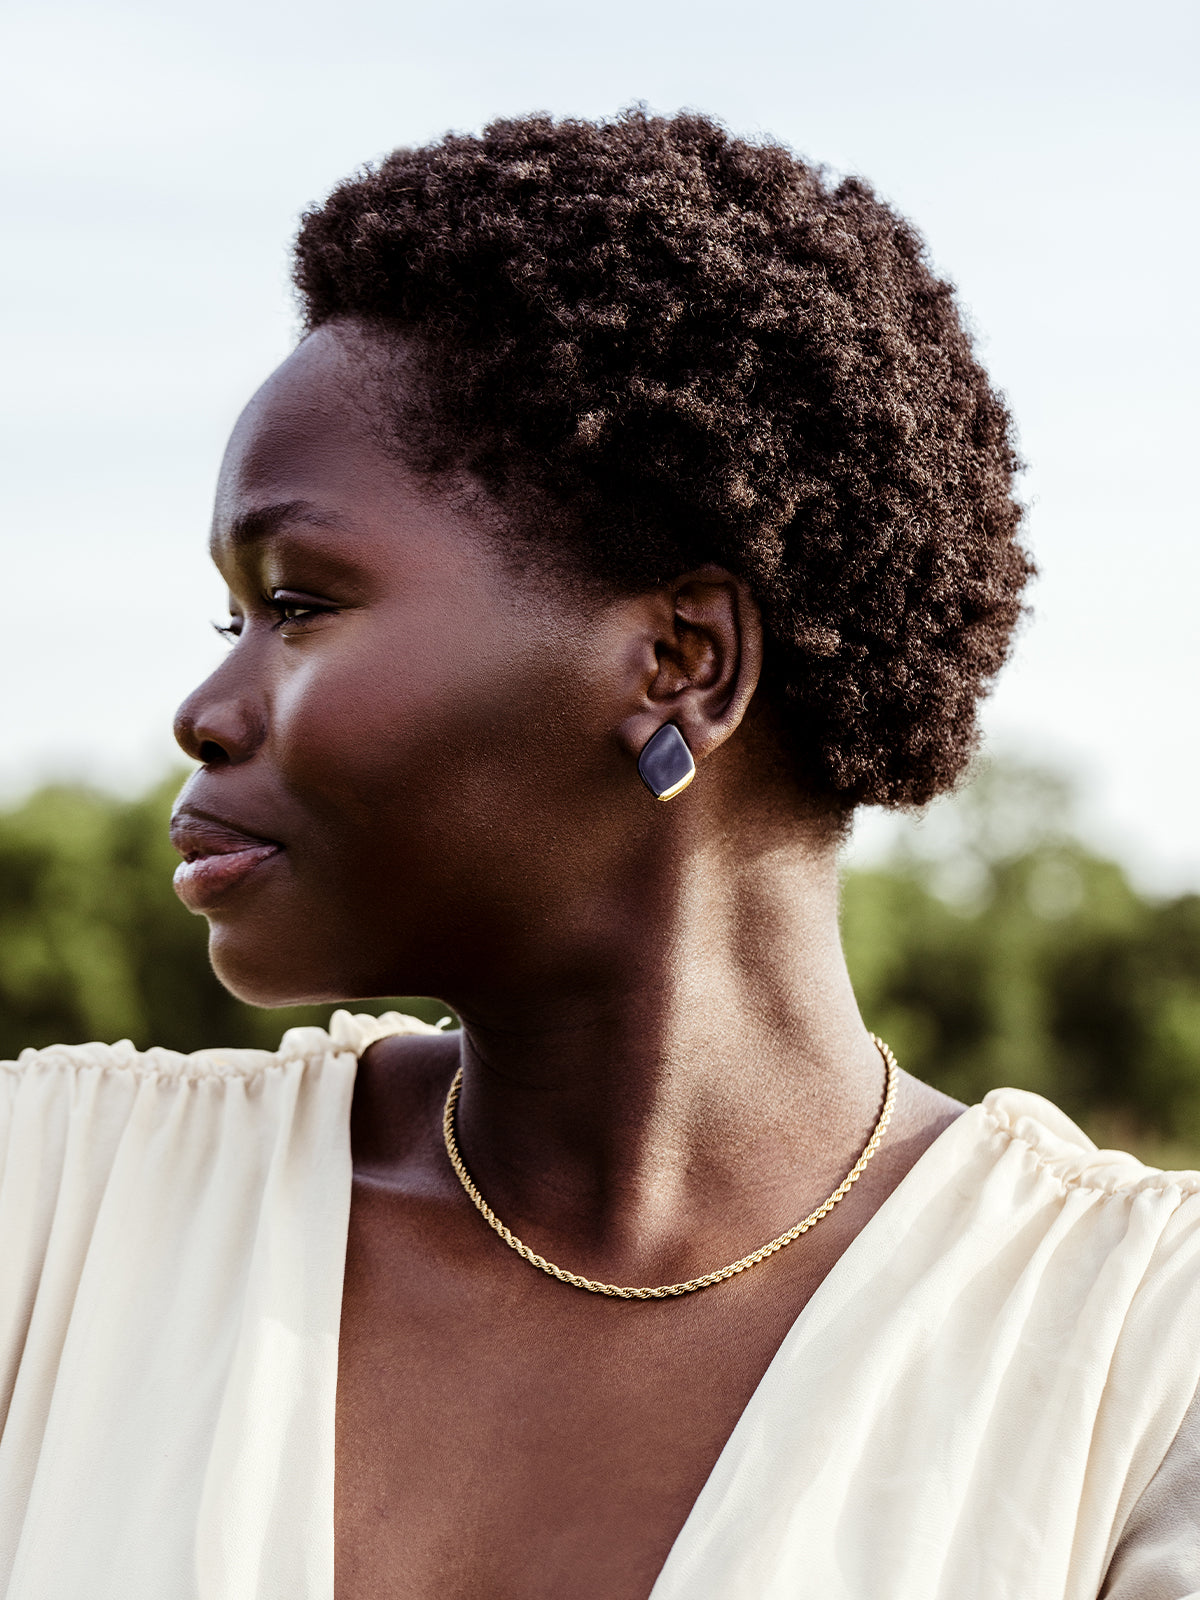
(990, 947)
(993, 948)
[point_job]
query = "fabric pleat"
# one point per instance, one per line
(976, 1399)
(172, 1247)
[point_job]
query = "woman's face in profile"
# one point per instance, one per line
(422, 729)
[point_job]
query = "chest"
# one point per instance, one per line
(502, 1434)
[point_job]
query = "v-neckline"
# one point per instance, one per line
(864, 1243)
(692, 1532)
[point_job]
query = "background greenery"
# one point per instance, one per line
(990, 947)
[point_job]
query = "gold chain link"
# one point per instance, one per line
(666, 1290)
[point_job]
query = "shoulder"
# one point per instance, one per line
(1038, 1297)
(104, 1141)
(96, 1105)
(400, 1091)
(348, 1035)
(1026, 1165)
(1040, 1241)
(1051, 1142)
(172, 1247)
(1102, 1252)
(122, 1061)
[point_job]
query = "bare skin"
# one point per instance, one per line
(664, 1061)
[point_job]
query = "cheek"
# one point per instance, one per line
(369, 745)
(435, 766)
(447, 796)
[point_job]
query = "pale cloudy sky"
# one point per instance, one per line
(157, 157)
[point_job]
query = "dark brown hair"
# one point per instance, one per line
(695, 348)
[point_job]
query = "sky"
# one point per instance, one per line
(156, 159)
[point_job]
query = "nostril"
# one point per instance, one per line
(216, 731)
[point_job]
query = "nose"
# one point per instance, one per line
(218, 726)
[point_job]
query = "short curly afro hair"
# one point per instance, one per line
(698, 349)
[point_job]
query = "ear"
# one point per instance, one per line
(700, 662)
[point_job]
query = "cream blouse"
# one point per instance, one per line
(987, 1398)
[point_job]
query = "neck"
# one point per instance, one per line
(716, 1081)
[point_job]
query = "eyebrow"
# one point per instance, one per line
(261, 523)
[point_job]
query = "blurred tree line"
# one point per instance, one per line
(989, 947)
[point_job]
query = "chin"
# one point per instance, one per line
(271, 977)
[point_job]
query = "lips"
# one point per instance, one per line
(217, 857)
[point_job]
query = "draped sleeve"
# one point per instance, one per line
(992, 1394)
(172, 1241)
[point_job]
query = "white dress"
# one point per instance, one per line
(987, 1399)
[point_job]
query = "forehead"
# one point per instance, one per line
(306, 433)
(306, 468)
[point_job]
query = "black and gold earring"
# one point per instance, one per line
(665, 765)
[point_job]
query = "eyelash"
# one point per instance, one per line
(232, 631)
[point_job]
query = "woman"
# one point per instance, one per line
(613, 454)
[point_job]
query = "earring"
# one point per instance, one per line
(665, 765)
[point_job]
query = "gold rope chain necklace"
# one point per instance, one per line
(667, 1290)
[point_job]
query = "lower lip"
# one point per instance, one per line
(201, 883)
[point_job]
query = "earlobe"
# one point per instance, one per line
(665, 765)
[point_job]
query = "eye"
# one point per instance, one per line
(294, 611)
(230, 630)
